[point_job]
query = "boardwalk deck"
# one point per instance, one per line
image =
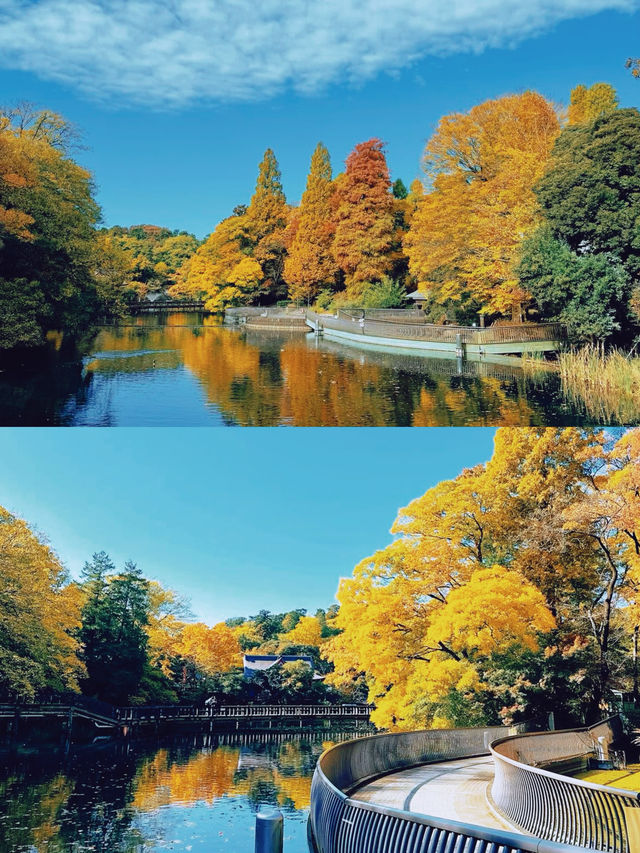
(415, 334)
(455, 790)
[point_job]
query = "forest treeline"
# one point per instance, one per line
(510, 591)
(525, 210)
(119, 637)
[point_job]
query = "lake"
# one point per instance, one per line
(195, 793)
(189, 370)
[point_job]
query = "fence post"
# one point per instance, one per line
(269, 831)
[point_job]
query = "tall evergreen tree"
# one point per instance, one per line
(113, 629)
(310, 264)
(266, 223)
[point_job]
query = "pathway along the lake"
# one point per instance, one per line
(455, 790)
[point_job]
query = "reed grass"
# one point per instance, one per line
(604, 384)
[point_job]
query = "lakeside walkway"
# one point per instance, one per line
(454, 790)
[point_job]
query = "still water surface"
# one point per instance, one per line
(197, 794)
(186, 370)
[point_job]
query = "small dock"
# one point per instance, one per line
(268, 319)
(408, 329)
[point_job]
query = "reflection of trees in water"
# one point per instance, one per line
(84, 805)
(268, 378)
(47, 388)
(277, 772)
(91, 799)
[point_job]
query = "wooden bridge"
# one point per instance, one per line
(161, 307)
(121, 720)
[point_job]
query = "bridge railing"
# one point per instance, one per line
(339, 824)
(561, 808)
(414, 327)
(213, 712)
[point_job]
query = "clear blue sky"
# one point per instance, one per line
(237, 520)
(178, 99)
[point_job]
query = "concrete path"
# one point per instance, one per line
(450, 789)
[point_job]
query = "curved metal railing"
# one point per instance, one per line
(339, 824)
(560, 808)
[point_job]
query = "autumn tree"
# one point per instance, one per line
(307, 632)
(48, 239)
(310, 264)
(211, 649)
(154, 255)
(221, 270)
(363, 217)
(39, 615)
(266, 219)
(588, 104)
(546, 531)
(481, 169)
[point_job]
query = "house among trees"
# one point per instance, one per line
(261, 663)
(418, 298)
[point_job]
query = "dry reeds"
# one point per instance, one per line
(604, 384)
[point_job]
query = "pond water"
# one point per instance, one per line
(198, 793)
(189, 370)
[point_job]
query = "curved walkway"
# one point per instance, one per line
(456, 790)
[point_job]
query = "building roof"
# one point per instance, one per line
(417, 294)
(261, 663)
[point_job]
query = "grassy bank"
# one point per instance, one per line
(606, 385)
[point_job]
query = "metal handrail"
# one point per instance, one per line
(340, 824)
(561, 808)
(357, 322)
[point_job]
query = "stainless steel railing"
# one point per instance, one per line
(339, 824)
(560, 808)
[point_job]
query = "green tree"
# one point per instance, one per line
(399, 189)
(113, 632)
(590, 194)
(590, 198)
(586, 292)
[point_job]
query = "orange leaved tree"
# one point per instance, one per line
(310, 264)
(364, 219)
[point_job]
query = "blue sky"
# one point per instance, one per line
(237, 520)
(178, 99)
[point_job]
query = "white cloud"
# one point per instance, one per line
(172, 52)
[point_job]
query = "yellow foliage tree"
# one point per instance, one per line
(587, 104)
(220, 271)
(266, 219)
(465, 235)
(39, 614)
(545, 534)
(212, 650)
(308, 632)
(165, 626)
(310, 264)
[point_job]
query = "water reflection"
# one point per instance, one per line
(195, 793)
(188, 370)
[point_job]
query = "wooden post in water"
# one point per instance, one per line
(269, 831)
